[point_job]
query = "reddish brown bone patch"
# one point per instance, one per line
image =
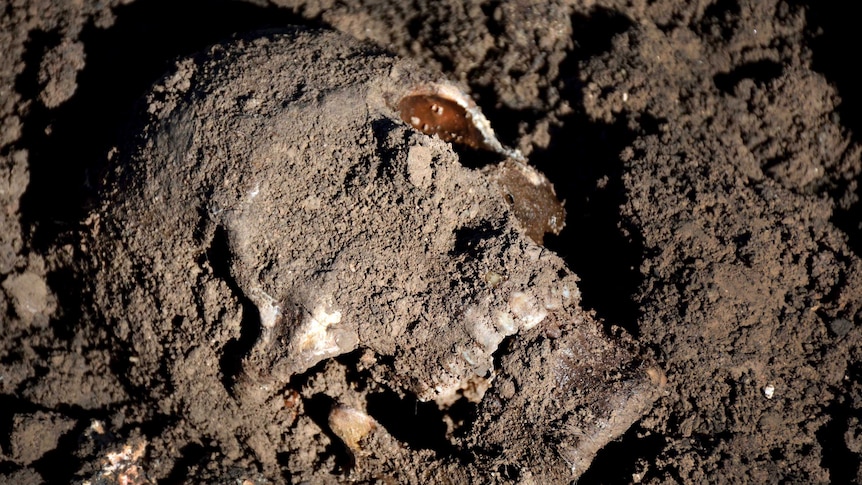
(433, 114)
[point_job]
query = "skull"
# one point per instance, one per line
(294, 197)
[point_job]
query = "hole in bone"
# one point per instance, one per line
(471, 239)
(418, 424)
(317, 408)
(217, 256)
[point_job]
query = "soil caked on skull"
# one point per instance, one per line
(318, 168)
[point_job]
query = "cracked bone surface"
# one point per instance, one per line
(275, 185)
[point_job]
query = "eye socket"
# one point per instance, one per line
(434, 114)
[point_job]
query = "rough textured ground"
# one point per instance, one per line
(707, 152)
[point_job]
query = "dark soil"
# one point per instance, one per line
(709, 159)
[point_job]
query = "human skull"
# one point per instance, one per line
(289, 200)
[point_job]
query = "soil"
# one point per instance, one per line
(358, 301)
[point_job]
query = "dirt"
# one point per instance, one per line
(161, 323)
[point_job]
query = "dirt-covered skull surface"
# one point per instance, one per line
(281, 206)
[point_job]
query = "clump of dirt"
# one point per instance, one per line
(709, 161)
